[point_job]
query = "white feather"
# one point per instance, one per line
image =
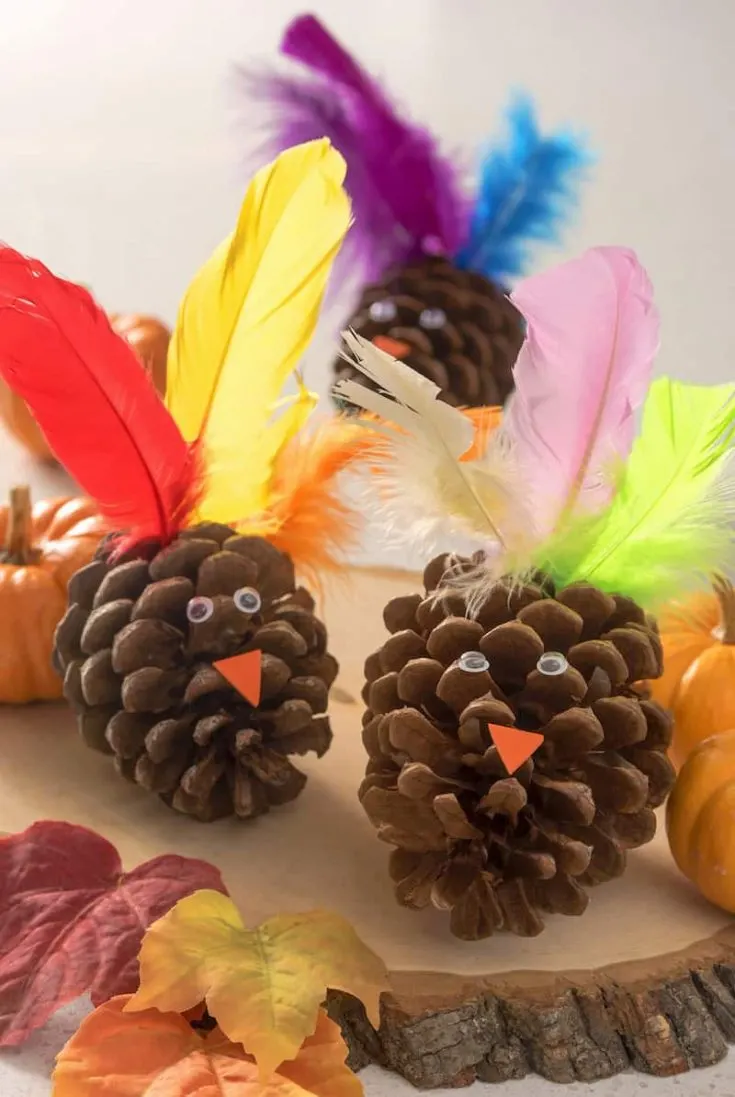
(424, 489)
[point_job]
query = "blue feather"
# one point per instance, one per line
(528, 188)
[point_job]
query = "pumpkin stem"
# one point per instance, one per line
(18, 548)
(726, 597)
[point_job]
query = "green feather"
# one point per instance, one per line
(669, 525)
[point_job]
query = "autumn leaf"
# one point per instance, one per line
(71, 921)
(320, 1065)
(264, 985)
(153, 1054)
(136, 1054)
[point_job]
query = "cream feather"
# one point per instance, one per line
(245, 322)
(425, 491)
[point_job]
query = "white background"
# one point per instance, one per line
(119, 155)
(119, 148)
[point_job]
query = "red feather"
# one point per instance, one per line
(94, 402)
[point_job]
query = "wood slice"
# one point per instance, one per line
(645, 979)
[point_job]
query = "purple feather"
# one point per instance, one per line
(407, 197)
(308, 41)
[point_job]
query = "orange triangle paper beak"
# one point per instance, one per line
(243, 672)
(514, 747)
(397, 348)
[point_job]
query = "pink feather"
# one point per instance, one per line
(584, 368)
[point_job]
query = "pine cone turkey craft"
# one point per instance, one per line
(188, 649)
(436, 261)
(498, 849)
(453, 326)
(202, 669)
(513, 758)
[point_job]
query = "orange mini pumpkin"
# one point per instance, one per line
(43, 546)
(148, 337)
(687, 629)
(699, 819)
(699, 668)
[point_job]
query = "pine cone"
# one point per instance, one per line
(136, 649)
(497, 850)
(453, 326)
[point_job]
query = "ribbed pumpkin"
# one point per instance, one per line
(687, 630)
(149, 338)
(699, 668)
(699, 819)
(43, 546)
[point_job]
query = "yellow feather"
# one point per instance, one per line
(246, 320)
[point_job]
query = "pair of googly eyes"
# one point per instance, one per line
(383, 312)
(550, 663)
(201, 608)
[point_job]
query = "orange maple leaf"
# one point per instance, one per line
(152, 1054)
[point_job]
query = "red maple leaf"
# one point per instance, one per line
(71, 921)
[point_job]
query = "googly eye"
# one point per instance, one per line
(382, 312)
(552, 663)
(199, 609)
(473, 661)
(432, 319)
(247, 600)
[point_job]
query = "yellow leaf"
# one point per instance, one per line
(264, 986)
(153, 1054)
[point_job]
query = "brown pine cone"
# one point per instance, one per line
(452, 326)
(495, 850)
(137, 647)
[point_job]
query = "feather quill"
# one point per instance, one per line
(406, 194)
(306, 516)
(669, 525)
(527, 190)
(584, 369)
(426, 486)
(246, 320)
(94, 402)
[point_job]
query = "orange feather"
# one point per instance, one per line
(306, 518)
(486, 420)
